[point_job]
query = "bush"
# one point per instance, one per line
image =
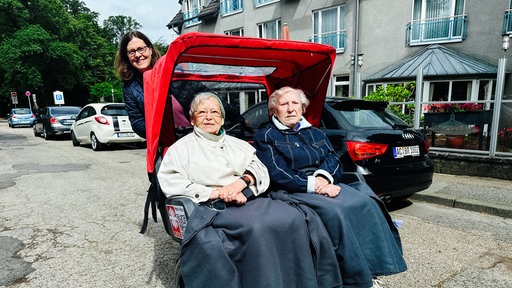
(396, 93)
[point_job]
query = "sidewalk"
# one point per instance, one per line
(487, 195)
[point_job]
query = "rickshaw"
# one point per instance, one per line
(227, 65)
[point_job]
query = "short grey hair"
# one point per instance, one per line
(200, 97)
(283, 90)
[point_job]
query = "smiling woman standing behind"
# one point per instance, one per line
(136, 55)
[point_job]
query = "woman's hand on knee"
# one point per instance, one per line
(329, 190)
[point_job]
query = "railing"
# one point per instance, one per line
(337, 39)
(507, 22)
(230, 6)
(190, 17)
(444, 29)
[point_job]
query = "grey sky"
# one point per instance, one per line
(153, 15)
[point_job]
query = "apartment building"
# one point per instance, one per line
(455, 45)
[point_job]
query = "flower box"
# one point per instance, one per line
(476, 118)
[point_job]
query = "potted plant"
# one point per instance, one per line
(505, 139)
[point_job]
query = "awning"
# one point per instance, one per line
(438, 62)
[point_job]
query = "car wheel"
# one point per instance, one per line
(95, 143)
(73, 139)
(46, 136)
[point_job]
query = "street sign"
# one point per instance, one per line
(58, 97)
(14, 98)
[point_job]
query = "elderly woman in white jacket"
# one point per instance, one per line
(249, 241)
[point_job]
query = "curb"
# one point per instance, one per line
(467, 204)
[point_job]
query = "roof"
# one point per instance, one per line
(211, 10)
(437, 62)
(176, 21)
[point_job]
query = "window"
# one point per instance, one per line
(341, 86)
(231, 6)
(235, 32)
(263, 2)
(507, 20)
(437, 21)
(192, 8)
(329, 27)
(450, 91)
(270, 30)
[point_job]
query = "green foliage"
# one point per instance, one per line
(102, 92)
(49, 45)
(116, 26)
(396, 93)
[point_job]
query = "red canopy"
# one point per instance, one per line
(221, 58)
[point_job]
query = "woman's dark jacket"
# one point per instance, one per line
(288, 154)
(133, 94)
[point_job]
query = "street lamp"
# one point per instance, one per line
(500, 85)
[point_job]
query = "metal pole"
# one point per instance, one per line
(502, 63)
(418, 97)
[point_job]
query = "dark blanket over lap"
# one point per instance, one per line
(263, 244)
(366, 243)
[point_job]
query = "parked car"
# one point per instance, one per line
(101, 124)
(370, 140)
(54, 121)
(20, 117)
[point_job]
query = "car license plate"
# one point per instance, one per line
(125, 135)
(401, 152)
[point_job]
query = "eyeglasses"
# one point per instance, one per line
(213, 113)
(141, 50)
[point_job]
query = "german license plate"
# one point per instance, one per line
(125, 135)
(401, 152)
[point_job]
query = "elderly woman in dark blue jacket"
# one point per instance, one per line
(304, 169)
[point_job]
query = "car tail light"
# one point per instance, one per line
(101, 120)
(13, 116)
(54, 120)
(32, 116)
(427, 146)
(365, 150)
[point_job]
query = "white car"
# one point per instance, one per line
(101, 124)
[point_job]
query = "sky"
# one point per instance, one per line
(153, 15)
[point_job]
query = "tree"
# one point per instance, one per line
(116, 26)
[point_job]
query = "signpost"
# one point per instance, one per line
(58, 97)
(27, 93)
(14, 98)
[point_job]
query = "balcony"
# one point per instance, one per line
(190, 17)
(337, 39)
(436, 30)
(231, 6)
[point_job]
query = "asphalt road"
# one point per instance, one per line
(70, 217)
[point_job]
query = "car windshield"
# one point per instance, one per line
(65, 110)
(21, 111)
(111, 110)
